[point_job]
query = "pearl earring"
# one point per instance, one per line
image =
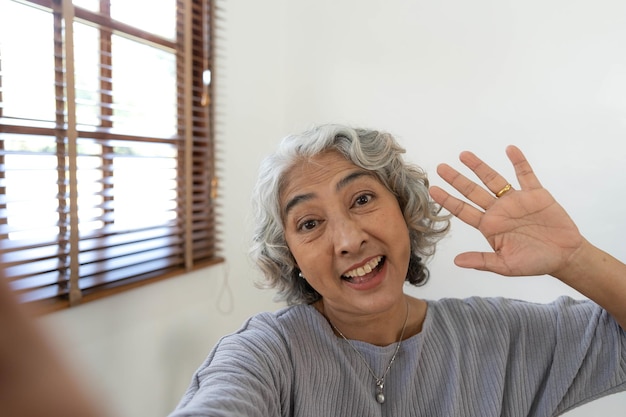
(300, 274)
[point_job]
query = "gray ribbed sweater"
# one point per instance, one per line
(475, 357)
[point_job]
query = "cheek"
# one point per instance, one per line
(400, 232)
(393, 219)
(299, 251)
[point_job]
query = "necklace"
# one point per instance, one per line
(380, 381)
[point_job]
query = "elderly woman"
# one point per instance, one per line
(342, 222)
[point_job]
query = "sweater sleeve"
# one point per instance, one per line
(590, 357)
(246, 374)
(529, 359)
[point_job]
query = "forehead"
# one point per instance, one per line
(310, 174)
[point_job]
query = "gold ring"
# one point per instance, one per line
(503, 190)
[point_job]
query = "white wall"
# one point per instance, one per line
(549, 76)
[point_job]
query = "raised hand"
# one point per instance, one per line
(530, 233)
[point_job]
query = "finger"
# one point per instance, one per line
(489, 176)
(465, 186)
(524, 172)
(482, 261)
(459, 208)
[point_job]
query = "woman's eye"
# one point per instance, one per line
(362, 200)
(307, 225)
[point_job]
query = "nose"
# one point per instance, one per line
(348, 236)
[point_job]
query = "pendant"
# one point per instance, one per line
(380, 395)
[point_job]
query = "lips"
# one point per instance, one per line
(355, 274)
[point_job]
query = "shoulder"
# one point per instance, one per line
(276, 330)
(509, 306)
(283, 320)
(263, 341)
(511, 314)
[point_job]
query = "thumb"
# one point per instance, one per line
(482, 261)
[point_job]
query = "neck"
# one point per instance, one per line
(382, 328)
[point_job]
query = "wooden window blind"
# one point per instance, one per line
(107, 163)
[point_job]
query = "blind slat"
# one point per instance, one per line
(168, 244)
(145, 270)
(23, 274)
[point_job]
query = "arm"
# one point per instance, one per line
(248, 373)
(530, 233)
(33, 380)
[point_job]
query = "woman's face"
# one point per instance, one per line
(347, 234)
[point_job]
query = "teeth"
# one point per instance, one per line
(365, 269)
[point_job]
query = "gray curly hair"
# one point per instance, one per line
(369, 149)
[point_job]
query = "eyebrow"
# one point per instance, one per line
(352, 177)
(341, 184)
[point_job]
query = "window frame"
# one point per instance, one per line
(197, 234)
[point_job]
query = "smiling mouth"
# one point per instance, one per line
(373, 265)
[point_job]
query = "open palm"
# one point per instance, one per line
(530, 233)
